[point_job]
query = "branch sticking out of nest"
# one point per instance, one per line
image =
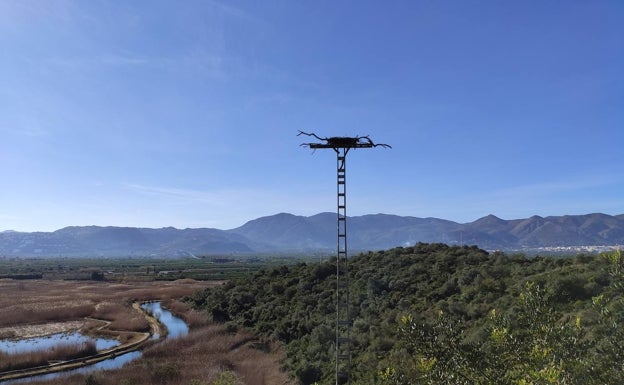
(342, 141)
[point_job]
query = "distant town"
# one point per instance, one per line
(569, 250)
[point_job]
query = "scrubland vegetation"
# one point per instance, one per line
(434, 314)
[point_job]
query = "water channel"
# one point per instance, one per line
(176, 327)
(48, 342)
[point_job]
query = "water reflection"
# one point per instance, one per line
(48, 342)
(176, 328)
(113, 363)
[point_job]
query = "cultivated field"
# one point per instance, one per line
(208, 354)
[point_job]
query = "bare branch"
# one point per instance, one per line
(311, 134)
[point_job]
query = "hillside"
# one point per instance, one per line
(287, 233)
(383, 231)
(121, 241)
(295, 304)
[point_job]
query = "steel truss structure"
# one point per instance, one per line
(342, 145)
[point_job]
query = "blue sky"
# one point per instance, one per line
(185, 113)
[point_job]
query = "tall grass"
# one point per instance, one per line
(192, 317)
(17, 316)
(206, 354)
(122, 317)
(203, 355)
(62, 352)
(40, 301)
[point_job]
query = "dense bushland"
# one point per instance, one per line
(419, 312)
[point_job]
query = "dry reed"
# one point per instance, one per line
(40, 301)
(192, 317)
(207, 353)
(62, 352)
(203, 356)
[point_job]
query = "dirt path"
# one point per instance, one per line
(155, 326)
(132, 345)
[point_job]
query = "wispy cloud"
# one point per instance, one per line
(178, 194)
(200, 62)
(232, 205)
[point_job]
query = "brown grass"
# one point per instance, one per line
(42, 357)
(121, 318)
(42, 301)
(200, 358)
(192, 317)
(205, 355)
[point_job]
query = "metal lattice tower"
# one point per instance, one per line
(343, 319)
(342, 145)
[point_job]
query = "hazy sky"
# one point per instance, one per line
(185, 113)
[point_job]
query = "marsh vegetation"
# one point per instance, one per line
(44, 356)
(40, 307)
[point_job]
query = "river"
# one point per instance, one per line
(48, 342)
(176, 327)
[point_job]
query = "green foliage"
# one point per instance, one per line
(450, 292)
(226, 378)
(530, 348)
(165, 373)
(538, 344)
(136, 268)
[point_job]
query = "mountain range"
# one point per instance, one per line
(287, 233)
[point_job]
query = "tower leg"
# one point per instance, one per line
(343, 321)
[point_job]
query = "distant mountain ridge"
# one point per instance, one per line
(288, 233)
(121, 241)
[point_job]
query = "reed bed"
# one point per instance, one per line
(192, 317)
(62, 352)
(19, 314)
(121, 319)
(42, 301)
(205, 355)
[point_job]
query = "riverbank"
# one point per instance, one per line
(210, 351)
(133, 344)
(39, 308)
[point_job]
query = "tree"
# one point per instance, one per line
(537, 345)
